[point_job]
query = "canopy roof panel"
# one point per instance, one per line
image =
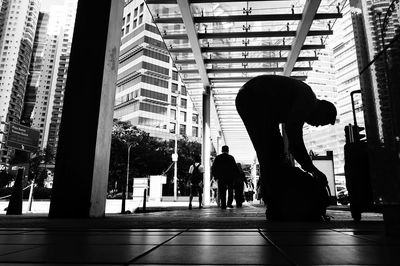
(223, 44)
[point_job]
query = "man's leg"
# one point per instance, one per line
(230, 195)
(191, 196)
(222, 193)
(200, 189)
(264, 134)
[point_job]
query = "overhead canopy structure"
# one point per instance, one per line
(222, 44)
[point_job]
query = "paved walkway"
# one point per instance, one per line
(210, 236)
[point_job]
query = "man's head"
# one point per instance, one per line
(323, 114)
(225, 149)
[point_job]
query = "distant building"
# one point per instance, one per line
(54, 38)
(337, 72)
(18, 24)
(150, 93)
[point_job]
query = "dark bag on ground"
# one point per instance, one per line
(297, 196)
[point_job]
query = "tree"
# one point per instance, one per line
(148, 156)
(5, 178)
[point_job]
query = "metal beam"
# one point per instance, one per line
(254, 60)
(222, 49)
(261, 69)
(232, 1)
(150, 2)
(194, 42)
(245, 60)
(303, 30)
(254, 34)
(246, 18)
(244, 79)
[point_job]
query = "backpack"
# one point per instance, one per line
(197, 176)
(297, 196)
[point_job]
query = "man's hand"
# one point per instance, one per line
(321, 177)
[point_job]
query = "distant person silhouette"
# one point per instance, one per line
(265, 102)
(239, 186)
(196, 171)
(225, 170)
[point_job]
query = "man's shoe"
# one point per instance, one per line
(190, 206)
(230, 206)
(200, 207)
(223, 207)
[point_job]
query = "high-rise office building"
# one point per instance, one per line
(319, 140)
(337, 70)
(150, 93)
(56, 45)
(380, 29)
(35, 70)
(18, 24)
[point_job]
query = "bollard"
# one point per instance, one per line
(30, 197)
(15, 203)
(144, 199)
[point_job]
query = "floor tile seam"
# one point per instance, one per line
(17, 251)
(217, 245)
(280, 251)
(13, 262)
(154, 248)
(359, 237)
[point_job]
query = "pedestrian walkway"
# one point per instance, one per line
(208, 236)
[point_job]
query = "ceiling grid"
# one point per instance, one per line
(223, 44)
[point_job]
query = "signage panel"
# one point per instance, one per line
(23, 138)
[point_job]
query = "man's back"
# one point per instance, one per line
(224, 167)
(282, 97)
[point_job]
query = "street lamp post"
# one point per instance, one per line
(125, 193)
(175, 160)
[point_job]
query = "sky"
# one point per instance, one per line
(46, 4)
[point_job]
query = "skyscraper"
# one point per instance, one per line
(150, 93)
(56, 48)
(18, 21)
(338, 77)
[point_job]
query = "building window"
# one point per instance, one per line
(127, 29)
(173, 114)
(128, 18)
(172, 128)
(140, 19)
(195, 132)
(183, 103)
(134, 24)
(174, 87)
(174, 75)
(135, 12)
(195, 118)
(182, 129)
(183, 116)
(183, 90)
(141, 7)
(173, 100)
(123, 21)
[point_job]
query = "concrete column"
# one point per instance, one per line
(82, 162)
(206, 145)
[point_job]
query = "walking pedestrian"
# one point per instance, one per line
(195, 182)
(225, 170)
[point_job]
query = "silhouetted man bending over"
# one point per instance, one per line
(265, 102)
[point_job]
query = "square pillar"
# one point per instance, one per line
(206, 144)
(83, 153)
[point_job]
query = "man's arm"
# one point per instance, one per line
(294, 133)
(298, 149)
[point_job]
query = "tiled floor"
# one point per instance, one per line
(43, 241)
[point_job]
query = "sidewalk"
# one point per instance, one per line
(112, 205)
(208, 236)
